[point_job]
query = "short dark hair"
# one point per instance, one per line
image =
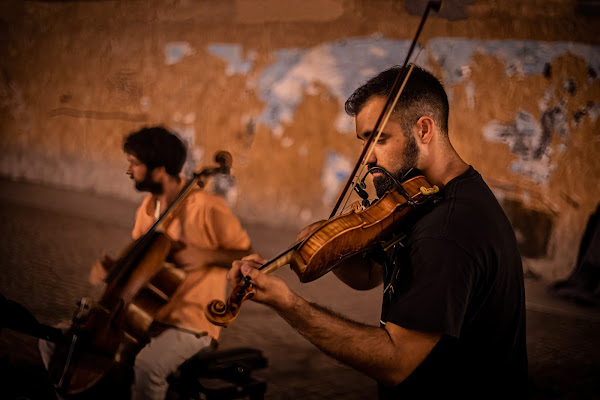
(157, 147)
(422, 95)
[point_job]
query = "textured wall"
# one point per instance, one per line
(266, 80)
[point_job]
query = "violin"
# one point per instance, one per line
(333, 242)
(345, 235)
(110, 332)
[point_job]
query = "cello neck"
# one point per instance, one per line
(145, 241)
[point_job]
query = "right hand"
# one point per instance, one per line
(100, 269)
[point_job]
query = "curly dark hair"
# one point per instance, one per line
(422, 95)
(157, 147)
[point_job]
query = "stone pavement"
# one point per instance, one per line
(50, 238)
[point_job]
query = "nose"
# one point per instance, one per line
(371, 159)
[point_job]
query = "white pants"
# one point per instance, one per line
(160, 358)
(155, 362)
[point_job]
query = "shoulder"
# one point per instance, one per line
(468, 215)
(467, 201)
(200, 199)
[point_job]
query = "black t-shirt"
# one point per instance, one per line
(459, 273)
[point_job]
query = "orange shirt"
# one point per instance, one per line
(205, 221)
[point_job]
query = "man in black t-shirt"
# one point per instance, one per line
(459, 273)
(453, 315)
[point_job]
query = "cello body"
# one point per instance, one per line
(111, 332)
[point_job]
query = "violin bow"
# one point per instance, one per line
(388, 108)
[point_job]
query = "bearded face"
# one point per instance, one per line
(146, 184)
(384, 183)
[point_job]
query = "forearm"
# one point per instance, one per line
(191, 257)
(222, 257)
(366, 348)
(388, 355)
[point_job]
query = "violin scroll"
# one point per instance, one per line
(222, 314)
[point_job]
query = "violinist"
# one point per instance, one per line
(208, 236)
(453, 313)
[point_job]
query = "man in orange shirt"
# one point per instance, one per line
(212, 237)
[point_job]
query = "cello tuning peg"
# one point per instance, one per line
(224, 159)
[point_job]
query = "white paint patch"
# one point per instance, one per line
(189, 118)
(187, 133)
(277, 132)
(145, 103)
(470, 92)
(378, 51)
(335, 173)
(544, 102)
(303, 150)
(287, 142)
(318, 65)
(175, 51)
(306, 215)
(344, 123)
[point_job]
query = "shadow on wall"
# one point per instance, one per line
(583, 285)
(532, 227)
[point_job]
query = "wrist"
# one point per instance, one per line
(290, 303)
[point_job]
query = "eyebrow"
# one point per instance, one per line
(367, 134)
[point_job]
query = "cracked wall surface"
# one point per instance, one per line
(267, 81)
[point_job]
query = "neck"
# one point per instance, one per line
(171, 188)
(444, 166)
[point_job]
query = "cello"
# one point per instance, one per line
(109, 333)
(345, 235)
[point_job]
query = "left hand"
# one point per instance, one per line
(190, 256)
(268, 289)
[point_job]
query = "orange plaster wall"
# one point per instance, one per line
(78, 76)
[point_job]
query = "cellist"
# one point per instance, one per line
(453, 315)
(210, 236)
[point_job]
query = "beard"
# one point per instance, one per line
(148, 185)
(410, 156)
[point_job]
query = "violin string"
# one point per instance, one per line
(388, 113)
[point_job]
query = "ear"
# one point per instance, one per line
(425, 129)
(158, 173)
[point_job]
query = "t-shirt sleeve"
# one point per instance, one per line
(225, 227)
(441, 283)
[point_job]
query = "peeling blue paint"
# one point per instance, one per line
(524, 57)
(529, 140)
(344, 65)
(340, 66)
(233, 55)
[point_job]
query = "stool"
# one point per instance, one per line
(223, 374)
